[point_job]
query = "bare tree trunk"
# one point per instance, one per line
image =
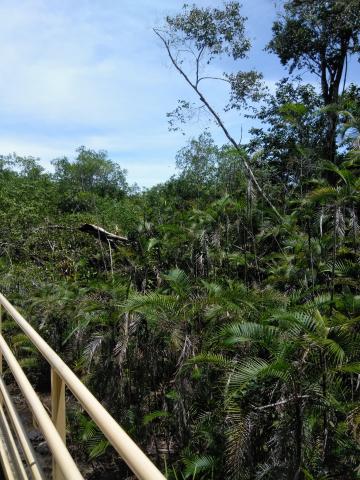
(220, 123)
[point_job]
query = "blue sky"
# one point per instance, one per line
(91, 72)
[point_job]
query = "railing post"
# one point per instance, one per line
(58, 414)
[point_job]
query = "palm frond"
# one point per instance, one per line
(322, 195)
(150, 417)
(247, 371)
(248, 331)
(215, 359)
(200, 464)
(178, 280)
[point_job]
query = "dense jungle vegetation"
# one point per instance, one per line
(223, 330)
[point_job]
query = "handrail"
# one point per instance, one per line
(25, 443)
(16, 466)
(57, 446)
(137, 461)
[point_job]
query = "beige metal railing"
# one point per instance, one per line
(54, 430)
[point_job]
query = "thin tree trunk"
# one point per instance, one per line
(221, 124)
(311, 256)
(298, 440)
(334, 255)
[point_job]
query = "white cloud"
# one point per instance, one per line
(91, 72)
(67, 64)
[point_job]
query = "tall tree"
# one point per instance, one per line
(199, 35)
(91, 172)
(320, 36)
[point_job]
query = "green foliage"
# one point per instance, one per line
(296, 36)
(90, 172)
(93, 439)
(150, 417)
(225, 343)
(219, 31)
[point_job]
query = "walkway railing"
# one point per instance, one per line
(54, 429)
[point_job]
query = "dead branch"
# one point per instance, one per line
(282, 402)
(101, 234)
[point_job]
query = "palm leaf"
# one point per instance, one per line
(204, 463)
(248, 331)
(247, 371)
(178, 281)
(150, 417)
(213, 359)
